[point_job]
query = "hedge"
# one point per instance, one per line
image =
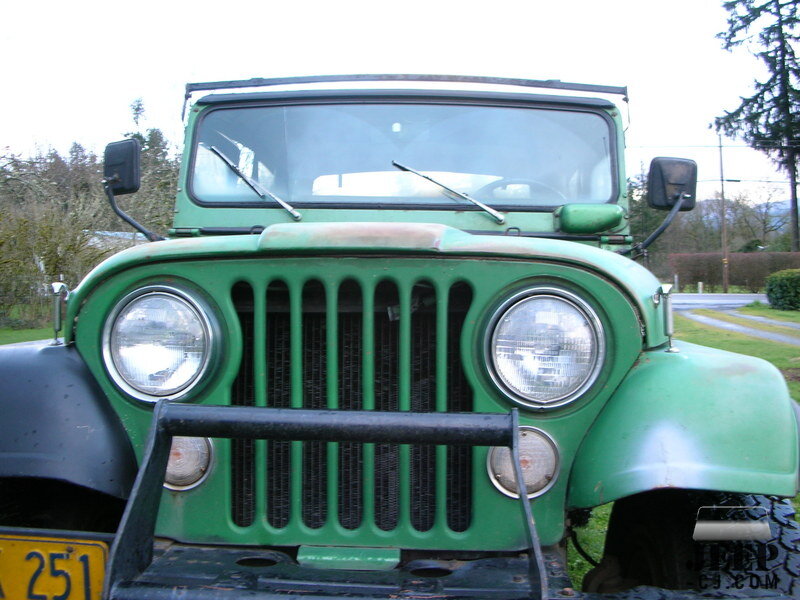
(783, 289)
(748, 270)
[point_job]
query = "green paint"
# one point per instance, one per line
(348, 558)
(588, 218)
(652, 419)
(694, 419)
(196, 515)
(417, 239)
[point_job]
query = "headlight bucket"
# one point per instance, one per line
(157, 343)
(545, 347)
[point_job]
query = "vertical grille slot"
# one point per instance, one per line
(423, 399)
(315, 454)
(459, 399)
(351, 454)
(387, 336)
(279, 395)
(243, 394)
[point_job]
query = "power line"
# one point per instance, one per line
(745, 181)
(776, 146)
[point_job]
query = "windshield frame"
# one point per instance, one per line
(217, 102)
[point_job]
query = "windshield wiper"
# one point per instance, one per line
(254, 185)
(497, 216)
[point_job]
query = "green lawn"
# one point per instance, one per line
(12, 336)
(738, 320)
(591, 538)
(765, 310)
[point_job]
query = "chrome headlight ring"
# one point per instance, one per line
(591, 368)
(194, 307)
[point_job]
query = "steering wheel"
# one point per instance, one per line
(531, 183)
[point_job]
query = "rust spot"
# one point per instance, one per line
(413, 236)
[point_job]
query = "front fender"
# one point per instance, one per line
(700, 418)
(56, 422)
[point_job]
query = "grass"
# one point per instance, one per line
(733, 318)
(765, 310)
(12, 336)
(591, 538)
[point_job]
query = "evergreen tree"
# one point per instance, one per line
(769, 120)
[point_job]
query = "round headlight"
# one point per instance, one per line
(157, 343)
(546, 347)
(538, 457)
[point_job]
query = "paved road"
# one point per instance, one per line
(688, 301)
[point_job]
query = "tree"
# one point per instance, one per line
(152, 204)
(54, 215)
(769, 120)
(137, 109)
(756, 224)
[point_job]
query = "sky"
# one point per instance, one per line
(72, 69)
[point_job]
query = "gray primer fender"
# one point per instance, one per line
(56, 422)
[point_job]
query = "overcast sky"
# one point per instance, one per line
(71, 69)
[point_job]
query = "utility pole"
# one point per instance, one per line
(725, 253)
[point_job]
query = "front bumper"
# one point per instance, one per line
(215, 573)
(204, 573)
(132, 551)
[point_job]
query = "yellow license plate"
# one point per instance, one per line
(45, 568)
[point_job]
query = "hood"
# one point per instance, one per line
(392, 238)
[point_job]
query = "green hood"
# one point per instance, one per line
(392, 238)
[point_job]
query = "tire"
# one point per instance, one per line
(649, 542)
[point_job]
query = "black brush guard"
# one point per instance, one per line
(132, 550)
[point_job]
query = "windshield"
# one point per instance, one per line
(342, 154)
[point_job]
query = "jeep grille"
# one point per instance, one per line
(391, 347)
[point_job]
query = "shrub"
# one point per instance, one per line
(783, 289)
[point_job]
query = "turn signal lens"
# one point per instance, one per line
(538, 456)
(189, 460)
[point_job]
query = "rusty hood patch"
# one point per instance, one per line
(354, 236)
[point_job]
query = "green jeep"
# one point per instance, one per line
(387, 304)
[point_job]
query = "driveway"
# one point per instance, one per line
(751, 331)
(683, 304)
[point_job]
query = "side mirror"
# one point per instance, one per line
(668, 179)
(588, 218)
(121, 166)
